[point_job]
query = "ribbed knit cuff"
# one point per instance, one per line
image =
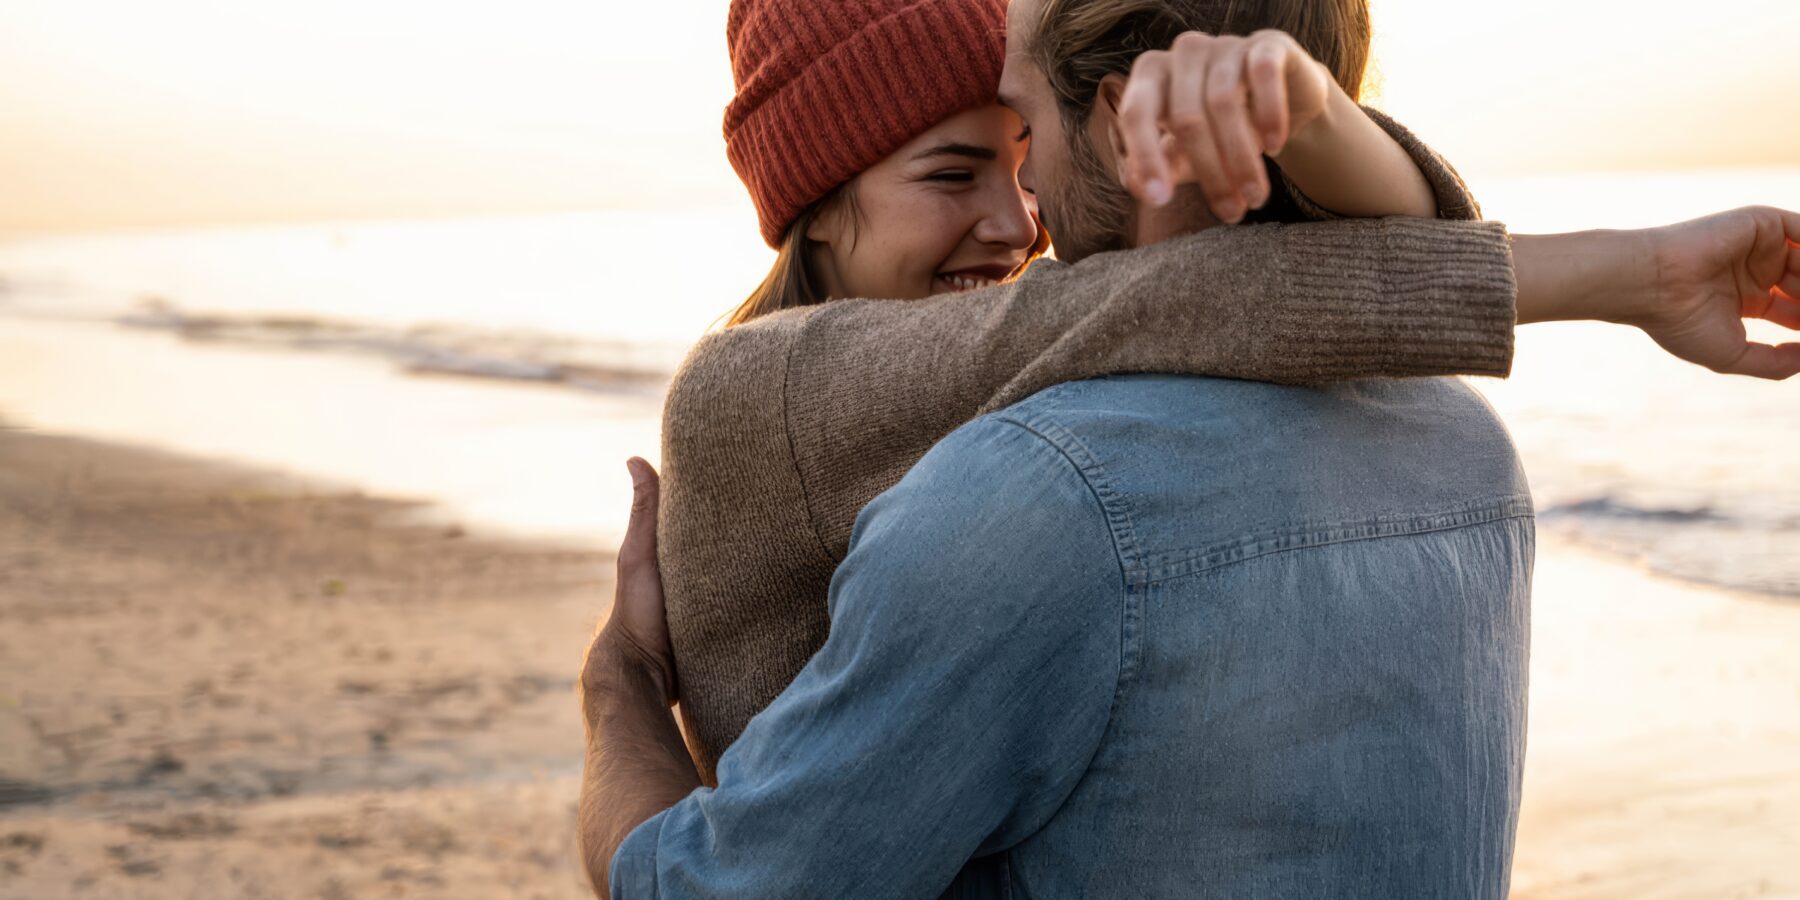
(1434, 298)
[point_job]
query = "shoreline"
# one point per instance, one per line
(497, 457)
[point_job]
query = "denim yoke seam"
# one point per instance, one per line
(1178, 563)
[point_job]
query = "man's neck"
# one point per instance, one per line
(1186, 214)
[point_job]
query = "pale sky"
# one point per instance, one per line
(123, 113)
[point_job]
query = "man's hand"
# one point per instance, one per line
(636, 764)
(638, 627)
(1209, 108)
(1715, 272)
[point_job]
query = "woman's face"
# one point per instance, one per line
(944, 213)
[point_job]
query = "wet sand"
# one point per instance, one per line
(221, 683)
(1664, 751)
(217, 682)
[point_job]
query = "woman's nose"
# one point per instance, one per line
(1012, 223)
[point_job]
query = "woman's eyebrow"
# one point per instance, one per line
(965, 150)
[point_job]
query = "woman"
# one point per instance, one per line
(879, 168)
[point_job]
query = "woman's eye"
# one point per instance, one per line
(952, 176)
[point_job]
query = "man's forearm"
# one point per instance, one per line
(636, 766)
(1604, 275)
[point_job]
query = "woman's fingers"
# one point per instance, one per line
(1783, 310)
(1140, 118)
(1266, 65)
(1790, 226)
(1227, 105)
(1195, 146)
(1769, 362)
(1790, 282)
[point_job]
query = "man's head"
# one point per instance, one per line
(1066, 68)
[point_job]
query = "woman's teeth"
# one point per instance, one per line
(967, 282)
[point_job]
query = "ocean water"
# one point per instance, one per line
(1629, 451)
(632, 288)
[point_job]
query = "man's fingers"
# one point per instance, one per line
(1239, 150)
(1266, 64)
(1765, 361)
(1140, 113)
(1790, 282)
(639, 545)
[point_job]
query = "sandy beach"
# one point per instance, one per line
(224, 680)
(1664, 749)
(217, 682)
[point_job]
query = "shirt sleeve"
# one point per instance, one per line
(974, 654)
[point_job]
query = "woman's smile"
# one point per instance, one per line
(971, 277)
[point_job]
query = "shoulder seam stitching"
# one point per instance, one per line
(1130, 617)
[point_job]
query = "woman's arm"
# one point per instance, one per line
(1232, 114)
(870, 385)
(1346, 163)
(1450, 195)
(1689, 286)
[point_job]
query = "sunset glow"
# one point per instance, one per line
(202, 111)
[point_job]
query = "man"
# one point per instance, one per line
(1149, 635)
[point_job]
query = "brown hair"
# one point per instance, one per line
(790, 281)
(1079, 42)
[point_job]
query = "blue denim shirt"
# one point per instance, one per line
(1151, 636)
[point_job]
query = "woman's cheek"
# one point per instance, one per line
(955, 218)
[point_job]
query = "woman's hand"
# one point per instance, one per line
(1209, 108)
(1717, 271)
(1690, 286)
(637, 629)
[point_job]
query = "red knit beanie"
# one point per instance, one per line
(828, 88)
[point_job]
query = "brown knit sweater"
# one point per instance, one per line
(778, 432)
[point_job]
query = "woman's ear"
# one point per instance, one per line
(838, 219)
(1103, 124)
(828, 226)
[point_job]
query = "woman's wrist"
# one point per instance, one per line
(1608, 276)
(1346, 162)
(1313, 141)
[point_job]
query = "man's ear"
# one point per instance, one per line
(1103, 123)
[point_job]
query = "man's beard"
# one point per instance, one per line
(1088, 213)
